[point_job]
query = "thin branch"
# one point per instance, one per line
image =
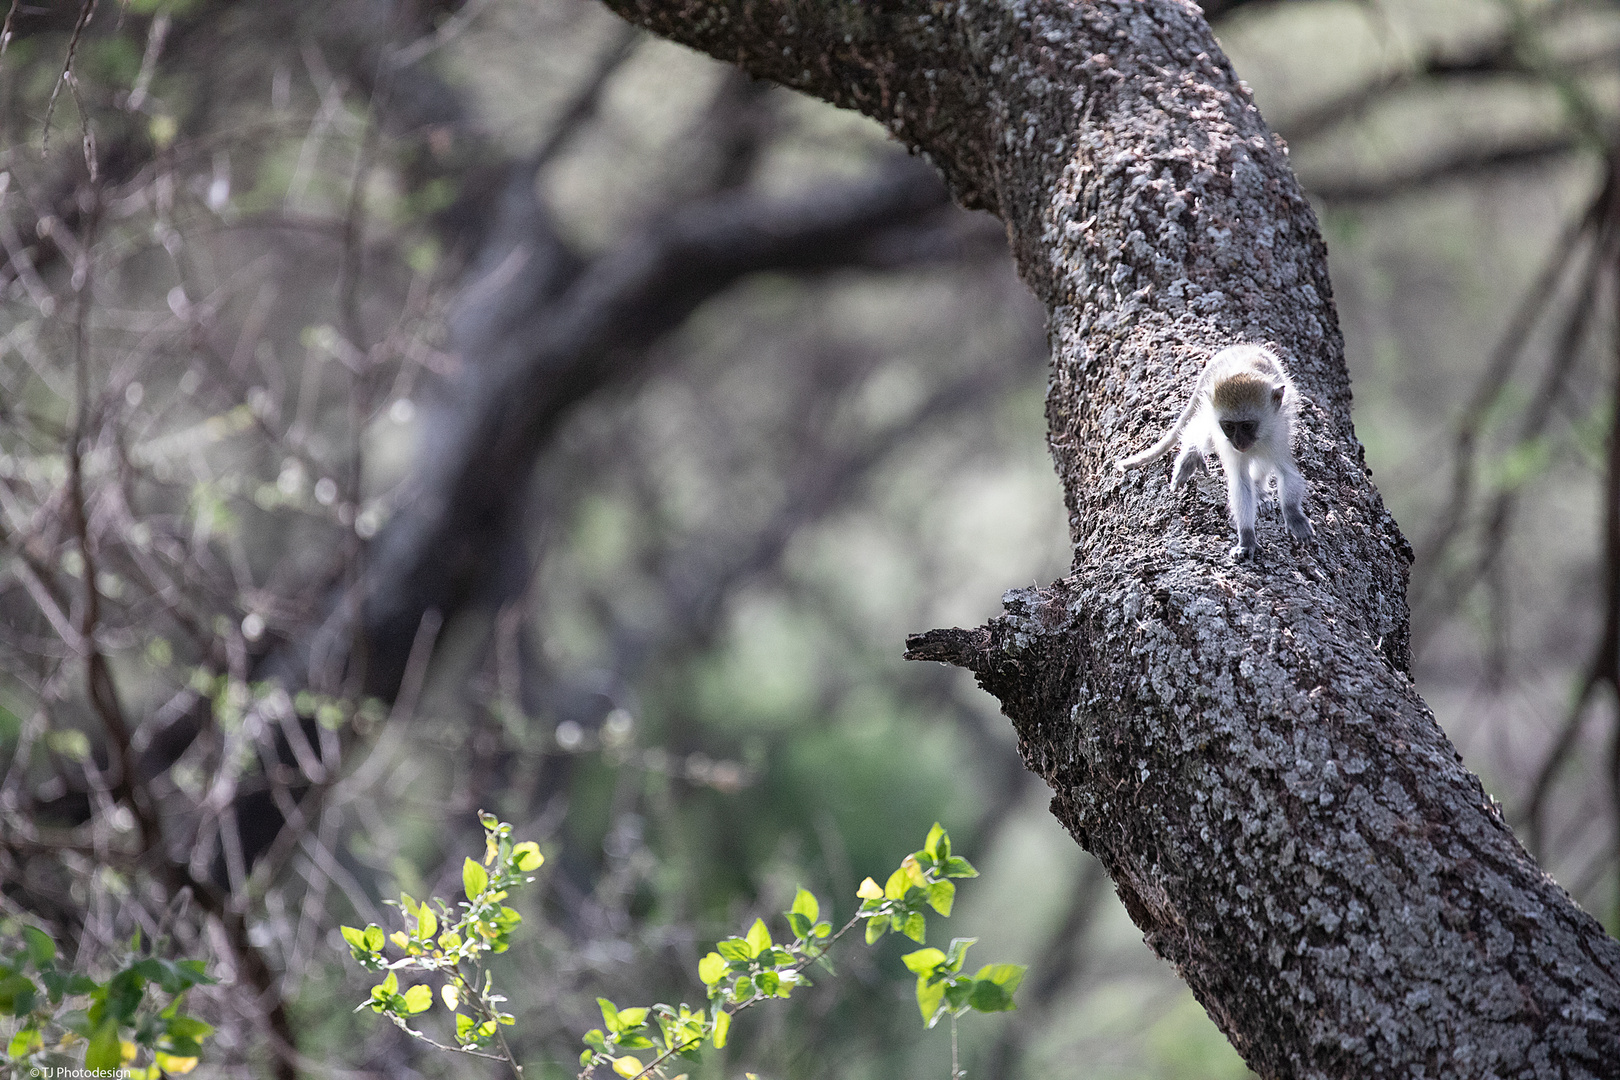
(87, 8)
(584, 101)
(1603, 668)
(5, 31)
(1469, 162)
(1488, 390)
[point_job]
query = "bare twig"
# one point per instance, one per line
(1603, 668)
(5, 31)
(87, 8)
(585, 99)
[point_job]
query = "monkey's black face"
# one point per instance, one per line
(1241, 433)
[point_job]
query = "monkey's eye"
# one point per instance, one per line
(1226, 427)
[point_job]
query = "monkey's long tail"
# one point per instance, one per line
(1162, 447)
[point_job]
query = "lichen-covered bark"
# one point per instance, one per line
(1242, 746)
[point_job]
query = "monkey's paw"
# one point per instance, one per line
(1185, 468)
(1300, 526)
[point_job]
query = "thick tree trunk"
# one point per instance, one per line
(1242, 746)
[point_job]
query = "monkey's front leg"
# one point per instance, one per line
(1291, 492)
(1190, 460)
(1241, 500)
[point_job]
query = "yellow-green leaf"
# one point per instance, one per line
(869, 890)
(526, 856)
(923, 961)
(174, 1065)
(418, 998)
(805, 903)
(451, 996)
(628, 1066)
(929, 999)
(104, 1051)
(474, 878)
(914, 871)
(712, 968)
(759, 937)
(26, 1041)
(722, 1028)
(931, 845)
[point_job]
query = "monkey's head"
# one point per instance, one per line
(1245, 406)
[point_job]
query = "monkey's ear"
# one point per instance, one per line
(1277, 393)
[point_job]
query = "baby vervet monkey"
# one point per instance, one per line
(1243, 410)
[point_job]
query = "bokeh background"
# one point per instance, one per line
(424, 407)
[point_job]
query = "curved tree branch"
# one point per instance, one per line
(1242, 747)
(595, 332)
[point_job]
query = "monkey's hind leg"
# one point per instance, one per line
(1291, 493)
(1241, 501)
(1188, 462)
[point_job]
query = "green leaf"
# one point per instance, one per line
(630, 1019)
(712, 968)
(188, 1027)
(104, 1052)
(158, 970)
(933, 846)
(355, 937)
(464, 1026)
(474, 878)
(958, 952)
(418, 998)
(1006, 976)
(722, 1027)
(805, 903)
(735, 949)
(759, 938)
(898, 883)
(427, 924)
(957, 992)
(41, 949)
(941, 895)
(956, 866)
(61, 983)
(876, 927)
(923, 961)
(915, 927)
(801, 926)
(610, 1014)
(17, 993)
(930, 998)
(374, 938)
(985, 996)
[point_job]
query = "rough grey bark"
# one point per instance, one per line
(1242, 746)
